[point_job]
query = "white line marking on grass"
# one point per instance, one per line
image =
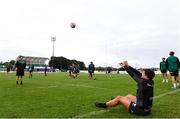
(86, 86)
(92, 113)
(48, 87)
(52, 86)
(103, 111)
(168, 93)
(75, 85)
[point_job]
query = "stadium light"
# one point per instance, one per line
(53, 39)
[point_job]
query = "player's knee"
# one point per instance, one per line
(119, 97)
(129, 95)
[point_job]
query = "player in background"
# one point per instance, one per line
(76, 71)
(45, 70)
(73, 71)
(70, 70)
(109, 70)
(91, 69)
(8, 67)
(163, 70)
(173, 65)
(20, 65)
(30, 69)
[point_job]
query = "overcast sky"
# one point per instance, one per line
(107, 32)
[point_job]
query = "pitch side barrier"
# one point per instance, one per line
(104, 72)
(114, 72)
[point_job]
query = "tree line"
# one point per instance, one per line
(63, 63)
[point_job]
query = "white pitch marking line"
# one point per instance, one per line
(168, 93)
(76, 85)
(92, 113)
(48, 87)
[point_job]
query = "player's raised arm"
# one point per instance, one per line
(135, 74)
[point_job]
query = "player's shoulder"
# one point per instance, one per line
(176, 57)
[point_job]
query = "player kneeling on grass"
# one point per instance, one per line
(141, 103)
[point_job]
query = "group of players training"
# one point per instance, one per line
(140, 104)
(20, 65)
(172, 65)
(74, 71)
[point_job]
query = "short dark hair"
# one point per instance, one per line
(149, 73)
(171, 53)
(20, 56)
(163, 58)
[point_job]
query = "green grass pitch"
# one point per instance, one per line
(57, 96)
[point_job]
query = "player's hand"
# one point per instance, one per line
(124, 64)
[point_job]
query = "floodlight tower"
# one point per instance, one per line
(53, 39)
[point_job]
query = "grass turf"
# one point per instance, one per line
(57, 96)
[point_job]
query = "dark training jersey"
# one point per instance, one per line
(20, 65)
(144, 92)
(91, 68)
(71, 69)
(172, 64)
(163, 66)
(31, 68)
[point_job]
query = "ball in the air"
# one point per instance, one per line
(72, 25)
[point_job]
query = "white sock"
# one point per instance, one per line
(177, 84)
(166, 80)
(174, 85)
(163, 80)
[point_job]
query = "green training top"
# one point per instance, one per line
(31, 68)
(172, 63)
(20, 64)
(163, 66)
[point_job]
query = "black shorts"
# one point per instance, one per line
(176, 73)
(91, 71)
(163, 71)
(30, 71)
(19, 73)
(135, 110)
(8, 69)
(77, 71)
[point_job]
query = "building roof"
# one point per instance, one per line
(33, 60)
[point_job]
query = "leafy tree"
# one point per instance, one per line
(100, 68)
(63, 63)
(12, 62)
